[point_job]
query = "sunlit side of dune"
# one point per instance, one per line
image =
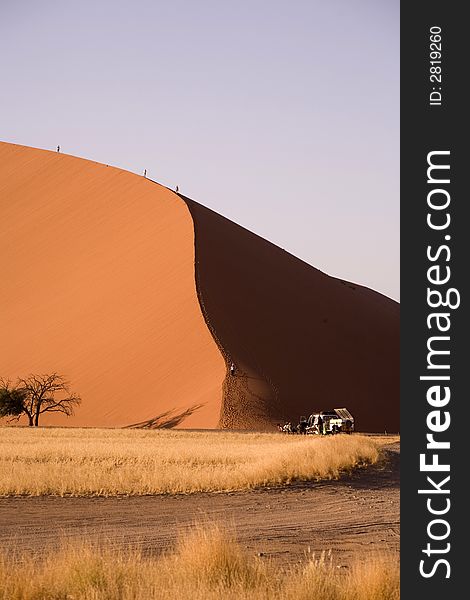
(98, 284)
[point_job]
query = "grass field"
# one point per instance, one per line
(206, 564)
(43, 461)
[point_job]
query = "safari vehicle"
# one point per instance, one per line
(338, 420)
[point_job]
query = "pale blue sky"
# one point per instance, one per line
(283, 116)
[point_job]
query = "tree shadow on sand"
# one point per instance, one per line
(167, 419)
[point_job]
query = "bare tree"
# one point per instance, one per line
(46, 393)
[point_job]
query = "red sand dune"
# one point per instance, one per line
(142, 298)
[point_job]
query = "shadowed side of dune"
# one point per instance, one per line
(300, 340)
(98, 284)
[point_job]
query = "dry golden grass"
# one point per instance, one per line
(206, 564)
(108, 462)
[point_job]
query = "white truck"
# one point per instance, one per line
(338, 420)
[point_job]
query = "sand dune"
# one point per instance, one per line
(143, 298)
(98, 284)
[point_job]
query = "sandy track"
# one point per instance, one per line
(356, 515)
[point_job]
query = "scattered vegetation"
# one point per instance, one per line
(206, 564)
(135, 462)
(12, 400)
(36, 395)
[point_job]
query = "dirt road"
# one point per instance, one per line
(356, 515)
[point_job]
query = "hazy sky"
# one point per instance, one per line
(282, 116)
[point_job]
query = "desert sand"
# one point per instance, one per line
(142, 299)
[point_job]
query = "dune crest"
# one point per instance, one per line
(143, 299)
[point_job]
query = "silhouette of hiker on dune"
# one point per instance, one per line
(177, 189)
(145, 172)
(58, 148)
(232, 369)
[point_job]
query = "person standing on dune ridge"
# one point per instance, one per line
(58, 148)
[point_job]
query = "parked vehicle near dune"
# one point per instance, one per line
(326, 422)
(338, 420)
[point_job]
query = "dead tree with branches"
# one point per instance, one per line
(46, 393)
